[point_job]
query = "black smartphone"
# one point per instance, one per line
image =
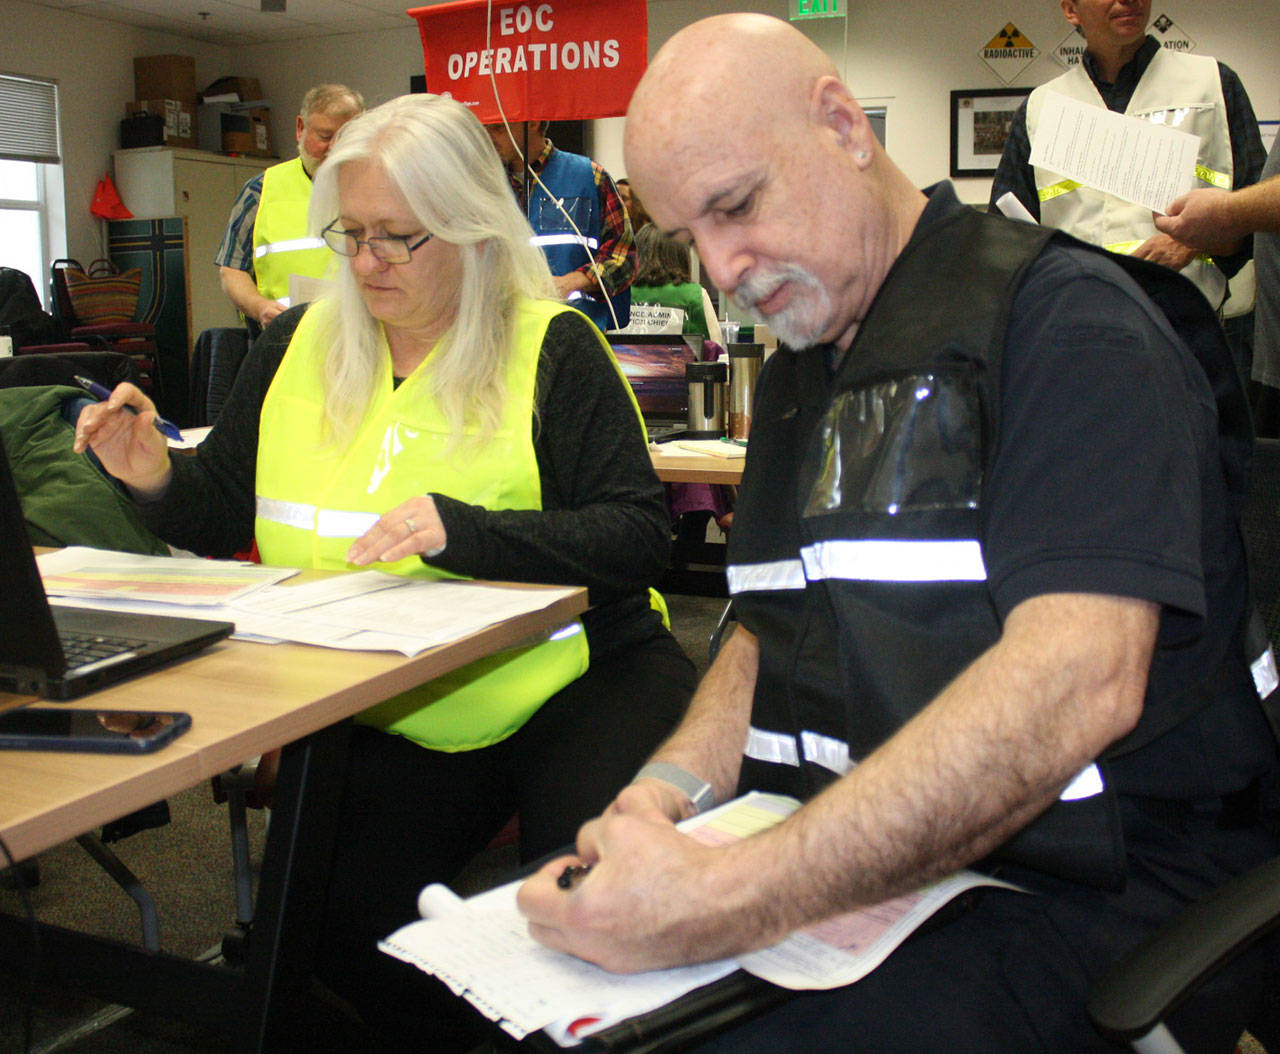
(95, 731)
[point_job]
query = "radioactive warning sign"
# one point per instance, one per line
(1008, 53)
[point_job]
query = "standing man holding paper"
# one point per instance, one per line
(1126, 70)
(961, 640)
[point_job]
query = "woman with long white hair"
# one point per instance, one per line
(438, 414)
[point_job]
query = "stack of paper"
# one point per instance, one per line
(714, 447)
(361, 611)
(482, 950)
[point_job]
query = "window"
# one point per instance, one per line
(30, 177)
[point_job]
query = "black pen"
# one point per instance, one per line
(571, 874)
(101, 393)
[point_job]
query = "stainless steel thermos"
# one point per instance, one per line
(745, 361)
(707, 382)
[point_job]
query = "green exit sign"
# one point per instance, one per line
(817, 9)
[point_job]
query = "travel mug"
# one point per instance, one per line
(706, 382)
(745, 361)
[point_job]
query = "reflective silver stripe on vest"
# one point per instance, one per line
(1265, 677)
(289, 513)
(1085, 785)
(777, 748)
(832, 754)
(565, 632)
(327, 523)
(883, 560)
(292, 245)
(334, 523)
(564, 239)
(777, 574)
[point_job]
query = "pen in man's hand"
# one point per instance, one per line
(571, 874)
(101, 393)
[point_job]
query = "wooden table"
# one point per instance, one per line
(686, 467)
(244, 699)
(697, 567)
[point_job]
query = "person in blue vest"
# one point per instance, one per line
(578, 219)
(266, 239)
(990, 585)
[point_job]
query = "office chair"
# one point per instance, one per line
(1130, 1002)
(62, 367)
(112, 331)
(215, 361)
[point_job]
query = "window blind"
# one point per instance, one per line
(28, 120)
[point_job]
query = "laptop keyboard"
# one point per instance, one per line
(81, 649)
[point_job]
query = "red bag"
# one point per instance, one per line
(107, 203)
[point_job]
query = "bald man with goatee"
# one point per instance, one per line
(988, 583)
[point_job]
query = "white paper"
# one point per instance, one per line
(482, 950)
(322, 591)
(1010, 206)
(79, 571)
(846, 948)
(191, 438)
(361, 611)
(1132, 159)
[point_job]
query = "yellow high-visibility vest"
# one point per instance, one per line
(314, 500)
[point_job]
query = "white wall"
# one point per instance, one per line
(911, 55)
(92, 61)
(378, 65)
(908, 54)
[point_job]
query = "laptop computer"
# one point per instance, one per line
(653, 364)
(61, 652)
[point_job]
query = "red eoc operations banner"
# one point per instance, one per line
(559, 60)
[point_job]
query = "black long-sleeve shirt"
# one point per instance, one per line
(603, 523)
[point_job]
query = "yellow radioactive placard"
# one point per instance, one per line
(1009, 37)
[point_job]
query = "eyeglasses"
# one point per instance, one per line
(390, 248)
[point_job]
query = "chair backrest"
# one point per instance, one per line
(22, 313)
(215, 361)
(59, 297)
(105, 367)
(1262, 533)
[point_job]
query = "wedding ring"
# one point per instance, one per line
(409, 523)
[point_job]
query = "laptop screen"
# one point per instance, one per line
(29, 636)
(654, 367)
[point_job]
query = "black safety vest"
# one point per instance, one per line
(856, 554)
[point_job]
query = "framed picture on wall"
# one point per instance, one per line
(980, 122)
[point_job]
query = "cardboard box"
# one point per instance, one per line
(179, 119)
(247, 130)
(165, 77)
(244, 89)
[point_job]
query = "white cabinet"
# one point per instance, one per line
(156, 182)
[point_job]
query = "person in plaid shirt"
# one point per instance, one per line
(578, 219)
